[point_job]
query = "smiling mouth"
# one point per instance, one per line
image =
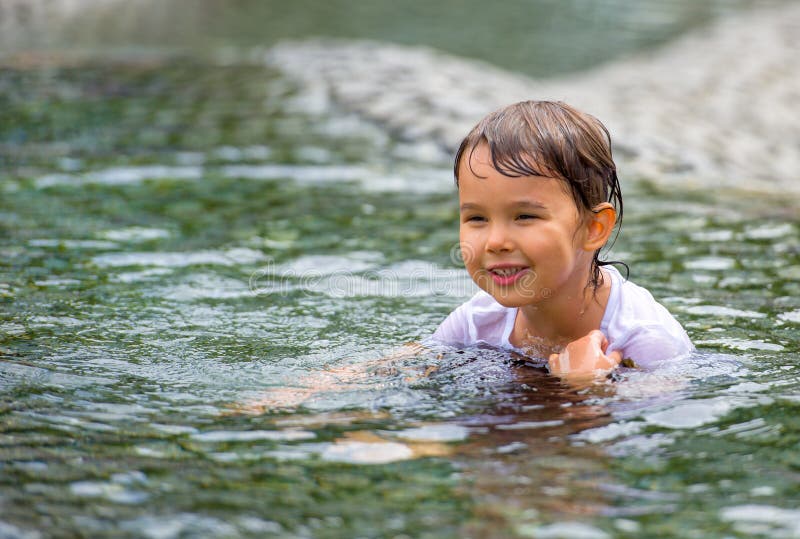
(507, 272)
(508, 276)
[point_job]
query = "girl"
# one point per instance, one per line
(539, 197)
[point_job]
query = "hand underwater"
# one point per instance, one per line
(585, 357)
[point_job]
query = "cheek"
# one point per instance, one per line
(467, 255)
(468, 249)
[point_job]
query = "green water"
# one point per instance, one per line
(537, 37)
(179, 243)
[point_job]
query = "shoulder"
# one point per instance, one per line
(640, 327)
(630, 303)
(481, 319)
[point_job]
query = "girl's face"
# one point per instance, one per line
(522, 238)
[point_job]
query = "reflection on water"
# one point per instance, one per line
(197, 245)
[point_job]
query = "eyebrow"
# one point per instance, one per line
(529, 204)
(518, 204)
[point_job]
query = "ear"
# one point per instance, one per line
(599, 224)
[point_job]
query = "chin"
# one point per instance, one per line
(513, 300)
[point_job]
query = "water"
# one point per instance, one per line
(538, 37)
(197, 275)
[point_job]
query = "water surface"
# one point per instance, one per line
(185, 256)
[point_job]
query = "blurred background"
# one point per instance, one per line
(537, 37)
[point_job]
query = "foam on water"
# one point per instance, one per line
(6, 291)
(204, 286)
(179, 525)
(527, 425)
(252, 435)
(14, 532)
(173, 429)
(359, 274)
(232, 153)
(695, 413)
(413, 180)
(741, 344)
(298, 173)
(719, 310)
(611, 431)
(563, 530)
(354, 452)
(318, 265)
(139, 276)
(769, 232)
(57, 283)
(435, 433)
(416, 179)
(229, 257)
(710, 263)
(111, 491)
(121, 176)
(18, 374)
(712, 235)
(764, 520)
(74, 244)
(57, 321)
(792, 316)
(136, 234)
(10, 328)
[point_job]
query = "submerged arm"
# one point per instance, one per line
(328, 380)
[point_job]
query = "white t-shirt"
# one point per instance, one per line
(634, 323)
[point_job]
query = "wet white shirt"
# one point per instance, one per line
(634, 323)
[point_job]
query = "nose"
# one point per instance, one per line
(499, 239)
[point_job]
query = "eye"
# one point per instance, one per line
(475, 219)
(526, 216)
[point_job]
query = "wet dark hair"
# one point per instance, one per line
(553, 139)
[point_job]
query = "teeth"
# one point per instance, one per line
(505, 272)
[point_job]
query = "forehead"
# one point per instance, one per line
(479, 179)
(479, 160)
(476, 160)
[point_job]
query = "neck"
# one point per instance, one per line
(578, 309)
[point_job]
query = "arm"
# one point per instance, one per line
(585, 358)
(331, 379)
